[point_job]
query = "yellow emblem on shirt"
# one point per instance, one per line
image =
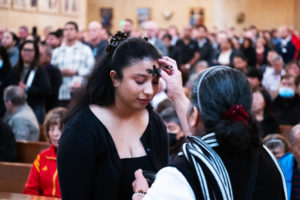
(45, 168)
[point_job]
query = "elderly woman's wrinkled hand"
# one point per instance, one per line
(172, 76)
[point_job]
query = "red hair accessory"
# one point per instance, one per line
(237, 114)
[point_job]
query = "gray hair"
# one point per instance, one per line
(15, 94)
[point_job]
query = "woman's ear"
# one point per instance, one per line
(193, 119)
(114, 77)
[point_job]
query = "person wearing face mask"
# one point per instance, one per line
(175, 132)
(43, 178)
(287, 103)
(6, 77)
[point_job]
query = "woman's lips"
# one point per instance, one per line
(144, 101)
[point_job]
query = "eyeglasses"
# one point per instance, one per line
(28, 50)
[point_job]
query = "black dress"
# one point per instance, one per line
(88, 163)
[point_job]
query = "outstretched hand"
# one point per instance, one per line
(172, 76)
(140, 184)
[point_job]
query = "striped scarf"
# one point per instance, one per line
(199, 151)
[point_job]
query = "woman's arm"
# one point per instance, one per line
(175, 91)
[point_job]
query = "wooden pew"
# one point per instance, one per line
(285, 130)
(13, 176)
(28, 150)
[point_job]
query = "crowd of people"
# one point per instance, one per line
(142, 98)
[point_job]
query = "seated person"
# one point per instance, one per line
(19, 115)
(273, 74)
(287, 104)
(240, 62)
(7, 143)
(277, 144)
(43, 179)
(254, 77)
(290, 164)
(263, 111)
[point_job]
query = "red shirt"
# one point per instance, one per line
(43, 178)
(296, 42)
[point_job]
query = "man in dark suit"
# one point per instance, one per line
(285, 48)
(205, 48)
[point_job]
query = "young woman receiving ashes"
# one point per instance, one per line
(112, 131)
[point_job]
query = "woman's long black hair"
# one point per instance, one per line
(222, 88)
(18, 69)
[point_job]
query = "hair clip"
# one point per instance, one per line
(145, 38)
(115, 40)
(154, 71)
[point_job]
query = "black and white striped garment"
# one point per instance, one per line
(199, 153)
(200, 150)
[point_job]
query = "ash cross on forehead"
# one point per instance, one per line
(154, 71)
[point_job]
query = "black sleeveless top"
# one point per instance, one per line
(130, 165)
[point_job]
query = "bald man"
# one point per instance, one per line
(290, 164)
(285, 48)
(96, 41)
(151, 30)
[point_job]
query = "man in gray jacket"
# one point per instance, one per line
(19, 115)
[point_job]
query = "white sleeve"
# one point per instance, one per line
(170, 184)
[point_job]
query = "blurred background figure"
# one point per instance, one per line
(6, 77)
(19, 115)
(285, 47)
(127, 26)
(175, 132)
(292, 68)
(273, 74)
(205, 48)
(151, 30)
(96, 41)
(263, 111)
(54, 75)
(287, 103)
(277, 144)
(23, 33)
(255, 78)
(290, 164)
(10, 42)
(33, 78)
(54, 39)
(43, 178)
(7, 143)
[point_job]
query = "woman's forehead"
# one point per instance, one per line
(141, 66)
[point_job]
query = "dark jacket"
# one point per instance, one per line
(206, 52)
(7, 143)
(7, 78)
(268, 183)
(88, 163)
(174, 53)
(40, 88)
(286, 51)
(55, 78)
(287, 110)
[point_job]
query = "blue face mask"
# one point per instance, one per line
(1, 64)
(286, 92)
